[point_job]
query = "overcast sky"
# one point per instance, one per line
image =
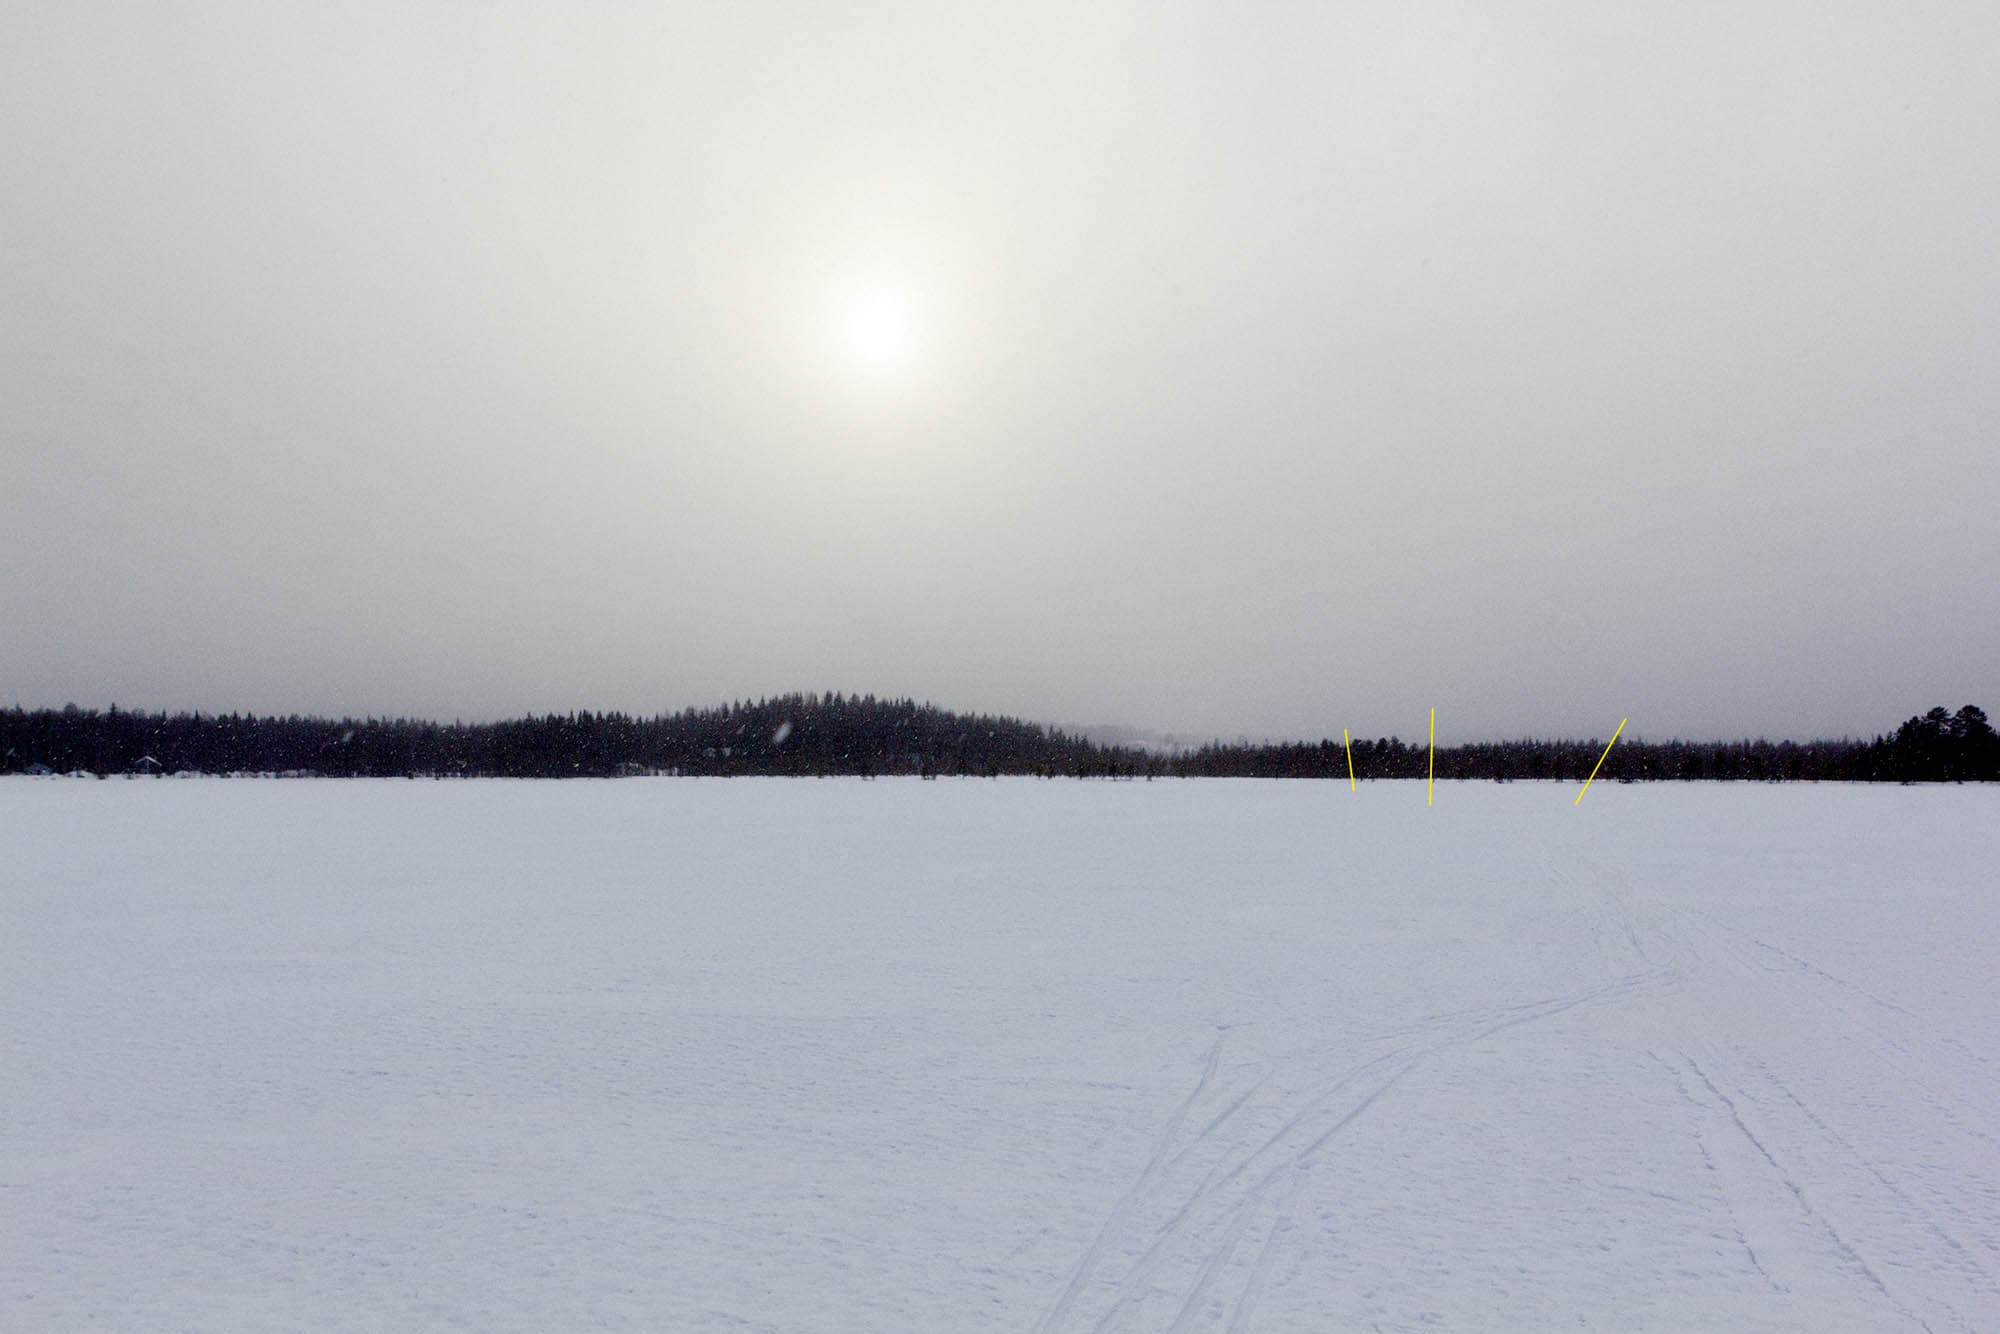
(1233, 369)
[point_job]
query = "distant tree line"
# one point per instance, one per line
(1936, 747)
(813, 734)
(803, 734)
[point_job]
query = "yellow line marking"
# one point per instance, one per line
(1600, 761)
(1349, 742)
(1432, 784)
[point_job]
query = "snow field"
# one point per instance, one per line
(830, 1055)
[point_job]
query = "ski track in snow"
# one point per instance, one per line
(1008, 1056)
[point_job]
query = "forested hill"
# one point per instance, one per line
(810, 734)
(791, 734)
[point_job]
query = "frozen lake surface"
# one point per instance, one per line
(1014, 1056)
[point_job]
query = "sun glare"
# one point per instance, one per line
(880, 331)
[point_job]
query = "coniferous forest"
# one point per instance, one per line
(819, 735)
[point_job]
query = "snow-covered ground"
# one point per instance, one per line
(1022, 1056)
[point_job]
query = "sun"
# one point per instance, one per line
(879, 331)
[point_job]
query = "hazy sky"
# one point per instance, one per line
(1240, 369)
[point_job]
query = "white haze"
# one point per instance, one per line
(1264, 369)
